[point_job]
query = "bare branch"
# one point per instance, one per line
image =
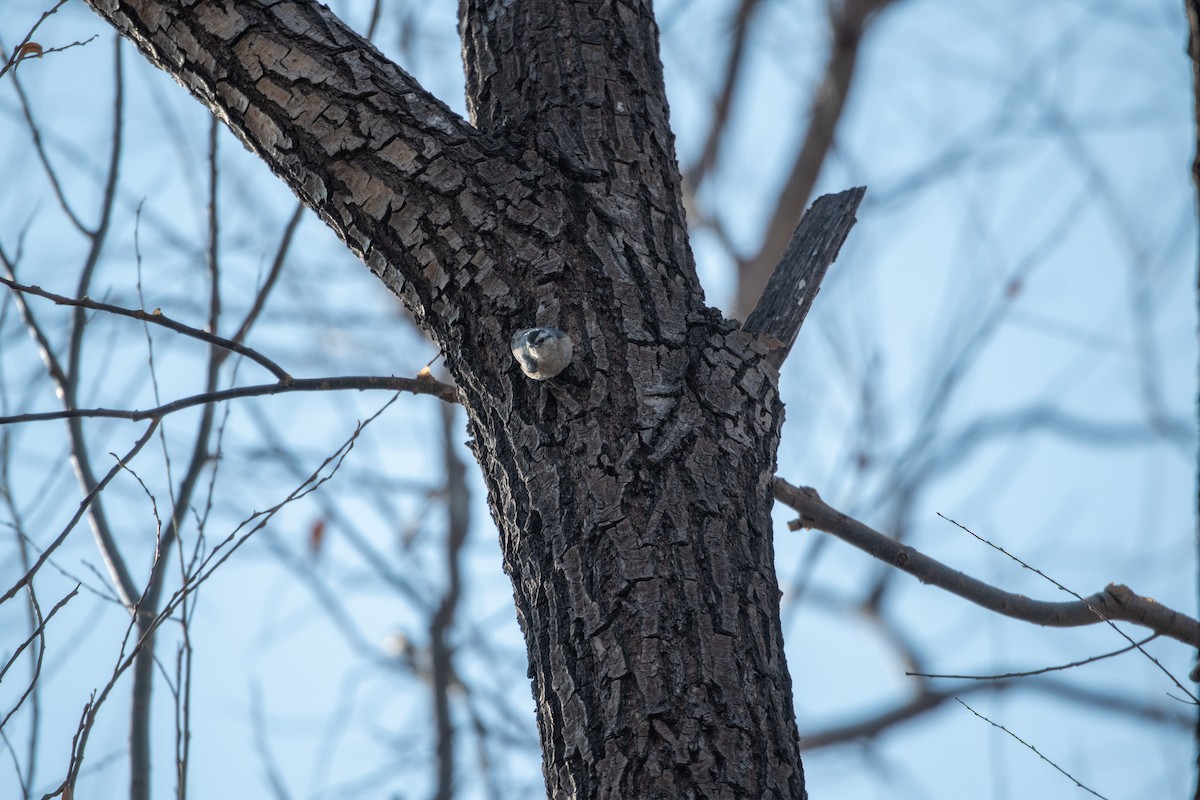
(147, 625)
(1116, 602)
(697, 172)
(157, 318)
(1031, 747)
(927, 700)
(443, 674)
(21, 51)
(262, 744)
(848, 22)
(1111, 589)
(362, 383)
(37, 632)
(260, 299)
(40, 635)
(83, 507)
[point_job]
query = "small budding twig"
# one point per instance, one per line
(1043, 670)
(1031, 747)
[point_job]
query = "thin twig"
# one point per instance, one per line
(79, 512)
(260, 299)
(19, 54)
(1101, 614)
(262, 743)
(1042, 671)
(697, 172)
(917, 706)
(203, 572)
(1031, 747)
(220, 554)
(155, 317)
(35, 634)
(39, 634)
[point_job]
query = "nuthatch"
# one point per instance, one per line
(542, 352)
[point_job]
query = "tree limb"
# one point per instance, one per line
(1116, 602)
(794, 284)
(917, 705)
(399, 177)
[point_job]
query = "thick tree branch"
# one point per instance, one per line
(413, 190)
(1115, 603)
(784, 304)
(573, 93)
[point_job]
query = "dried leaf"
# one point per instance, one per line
(29, 50)
(316, 539)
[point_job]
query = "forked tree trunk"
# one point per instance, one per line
(633, 492)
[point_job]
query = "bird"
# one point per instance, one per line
(542, 353)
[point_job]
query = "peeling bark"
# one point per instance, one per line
(633, 492)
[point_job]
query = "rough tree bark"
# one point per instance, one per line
(633, 493)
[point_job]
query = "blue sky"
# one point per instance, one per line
(1029, 209)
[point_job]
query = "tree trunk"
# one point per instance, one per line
(632, 493)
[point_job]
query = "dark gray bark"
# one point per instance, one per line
(633, 492)
(797, 278)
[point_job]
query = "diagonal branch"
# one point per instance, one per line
(432, 205)
(784, 304)
(20, 53)
(155, 317)
(79, 512)
(922, 702)
(1116, 602)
